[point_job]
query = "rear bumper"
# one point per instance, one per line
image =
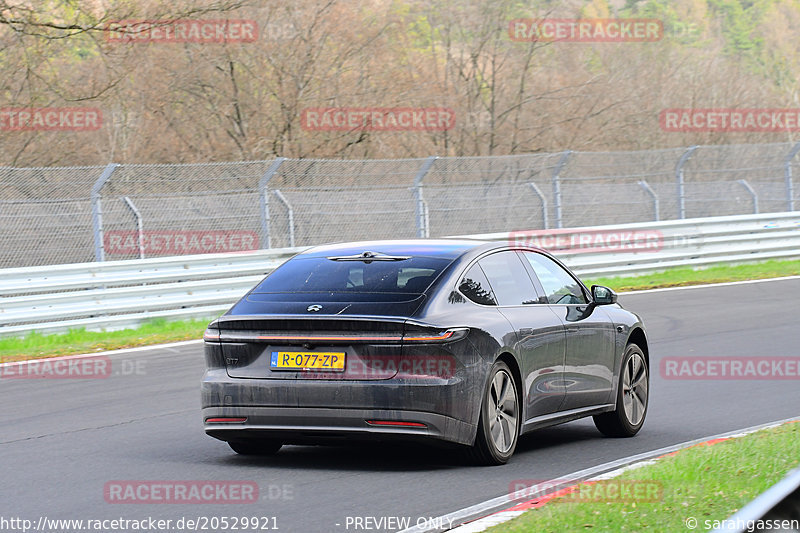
(297, 425)
(299, 411)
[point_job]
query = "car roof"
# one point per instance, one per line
(444, 248)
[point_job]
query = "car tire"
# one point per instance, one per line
(499, 421)
(633, 397)
(264, 447)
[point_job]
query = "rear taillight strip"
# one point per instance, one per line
(392, 338)
(442, 337)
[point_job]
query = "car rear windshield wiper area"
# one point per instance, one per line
(368, 257)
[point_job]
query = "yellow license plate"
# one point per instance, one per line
(329, 361)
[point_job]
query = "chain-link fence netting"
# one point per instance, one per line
(67, 215)
(314, 201)
(46, 215)
(465, 195)
(160, 210)
(600, 188)
(732, 179)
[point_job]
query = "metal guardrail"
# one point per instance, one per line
(658, 245)
(124, 293)
(779, 506)
(118, 294)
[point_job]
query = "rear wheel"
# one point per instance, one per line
(498, 425)
(633, 394)
(263, 447)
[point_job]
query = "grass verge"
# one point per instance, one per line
(705, 483)
(159, 331)
(679, 277)
(78, 341)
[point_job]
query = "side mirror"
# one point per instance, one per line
(603, 295)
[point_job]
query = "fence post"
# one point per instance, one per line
(787, 171)
(266, 242)
(681, 184)
(97, 211)
(290, 212)
(139, 224)
(543, 200)
(752, 192)
(421, 209)
(646, 186)
(557, 187)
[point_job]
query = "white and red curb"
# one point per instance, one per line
(480, 517)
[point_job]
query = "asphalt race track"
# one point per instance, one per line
(62, 440)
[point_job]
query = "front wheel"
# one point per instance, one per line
(498, 425)
(633, 394)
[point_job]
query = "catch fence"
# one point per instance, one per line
(104, 213)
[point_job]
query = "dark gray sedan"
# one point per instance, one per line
(459, 341)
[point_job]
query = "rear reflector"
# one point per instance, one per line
(396, 423)
(223, 420)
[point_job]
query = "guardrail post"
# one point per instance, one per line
(649, 190)
(421, 209)
(557, 187)
(681, 184)
(752, 192)
(266, 242)
(543, 200)
(97, 211)
(290, 211)
(139, 225)
(787, 172)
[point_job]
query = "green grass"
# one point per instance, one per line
(159, 331)
(703, 482)
(77, 341)
(678, 277)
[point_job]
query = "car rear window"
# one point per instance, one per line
(320, 274)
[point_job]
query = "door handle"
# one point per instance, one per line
(526, 331)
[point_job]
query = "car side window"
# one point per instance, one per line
(475, 286)
(509, 280)
(559, 286)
